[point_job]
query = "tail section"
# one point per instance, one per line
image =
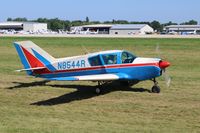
(33, 57)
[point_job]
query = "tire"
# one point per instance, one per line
(97, 90)
(155, 89)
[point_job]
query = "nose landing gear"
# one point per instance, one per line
(155, 88)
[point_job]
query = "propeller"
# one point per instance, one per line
(158, 49)
(167, 78)
(163, 66)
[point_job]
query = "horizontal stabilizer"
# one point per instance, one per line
(31, 69)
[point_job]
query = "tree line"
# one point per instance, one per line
(55, 24)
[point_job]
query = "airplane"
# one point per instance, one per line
(102, 67)
(94, 32)
(85, 32)
(74, 30)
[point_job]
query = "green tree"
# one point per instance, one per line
(156, 26)
(42, 20)
(122, 22)
(113, 21)
(77, 23)
(108, 22)
(67, 25)
(136, 22)
(55, 24)
(169, 23)
(87, 20)
(95, 22)
(20, 19)
(191, 22)
(9, 19)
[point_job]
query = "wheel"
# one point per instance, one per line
(98, 90)
(155, 89)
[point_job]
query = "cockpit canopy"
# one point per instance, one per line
(110, 58)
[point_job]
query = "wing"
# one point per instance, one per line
(98, 77)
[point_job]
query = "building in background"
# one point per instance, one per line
(32, 26)
(91, 29)
(98, 28)
(182, 29)
(11, 26)
(113, 29)
(129, 29)
(25, 26)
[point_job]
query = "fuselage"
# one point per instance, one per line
(107, 62)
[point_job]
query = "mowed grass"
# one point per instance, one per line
(29, 104)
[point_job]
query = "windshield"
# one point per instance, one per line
(127, 57)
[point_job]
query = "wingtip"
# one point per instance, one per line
(18, 70)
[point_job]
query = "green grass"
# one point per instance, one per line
(60, 107)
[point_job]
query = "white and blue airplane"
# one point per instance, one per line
(102, 67)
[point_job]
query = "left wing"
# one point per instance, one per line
(98, 77)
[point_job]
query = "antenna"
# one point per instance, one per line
(85, 49)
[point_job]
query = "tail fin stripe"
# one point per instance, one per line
(44, 60)
(22, 58)
(34, 62)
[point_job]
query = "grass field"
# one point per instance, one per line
(29, 104)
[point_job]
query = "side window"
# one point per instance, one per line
(110, 59)
(95, 61)
(127, 57)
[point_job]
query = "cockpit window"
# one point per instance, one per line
(127, 57)
(95, 61)
(110, 59)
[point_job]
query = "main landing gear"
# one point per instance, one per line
(99, 87)
(155, 88)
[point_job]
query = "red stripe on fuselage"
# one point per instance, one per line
(100, 67)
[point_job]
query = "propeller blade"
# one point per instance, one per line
(167, 78)
(165, 74)
(158, 50)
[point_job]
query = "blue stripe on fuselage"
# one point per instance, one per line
(23, 58)
(44, 61)
(124, 73)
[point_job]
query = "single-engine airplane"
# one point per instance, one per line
(102, 67)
